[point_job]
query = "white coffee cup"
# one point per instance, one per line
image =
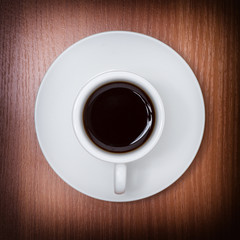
(119, 159)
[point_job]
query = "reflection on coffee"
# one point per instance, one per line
(118, 117)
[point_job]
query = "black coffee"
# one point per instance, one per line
(118, 117)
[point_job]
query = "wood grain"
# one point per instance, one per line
(36, 204)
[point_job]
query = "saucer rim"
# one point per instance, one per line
(196, 146)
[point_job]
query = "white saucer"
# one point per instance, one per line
(149, 58)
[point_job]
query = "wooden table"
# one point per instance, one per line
(36, 204)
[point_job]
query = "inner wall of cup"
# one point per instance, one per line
(98, 152)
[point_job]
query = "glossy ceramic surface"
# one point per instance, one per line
(164, 69)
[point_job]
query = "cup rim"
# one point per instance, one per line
(78, 107)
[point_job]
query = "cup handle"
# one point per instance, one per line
(120, 178)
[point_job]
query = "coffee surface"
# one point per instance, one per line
(118, 117)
